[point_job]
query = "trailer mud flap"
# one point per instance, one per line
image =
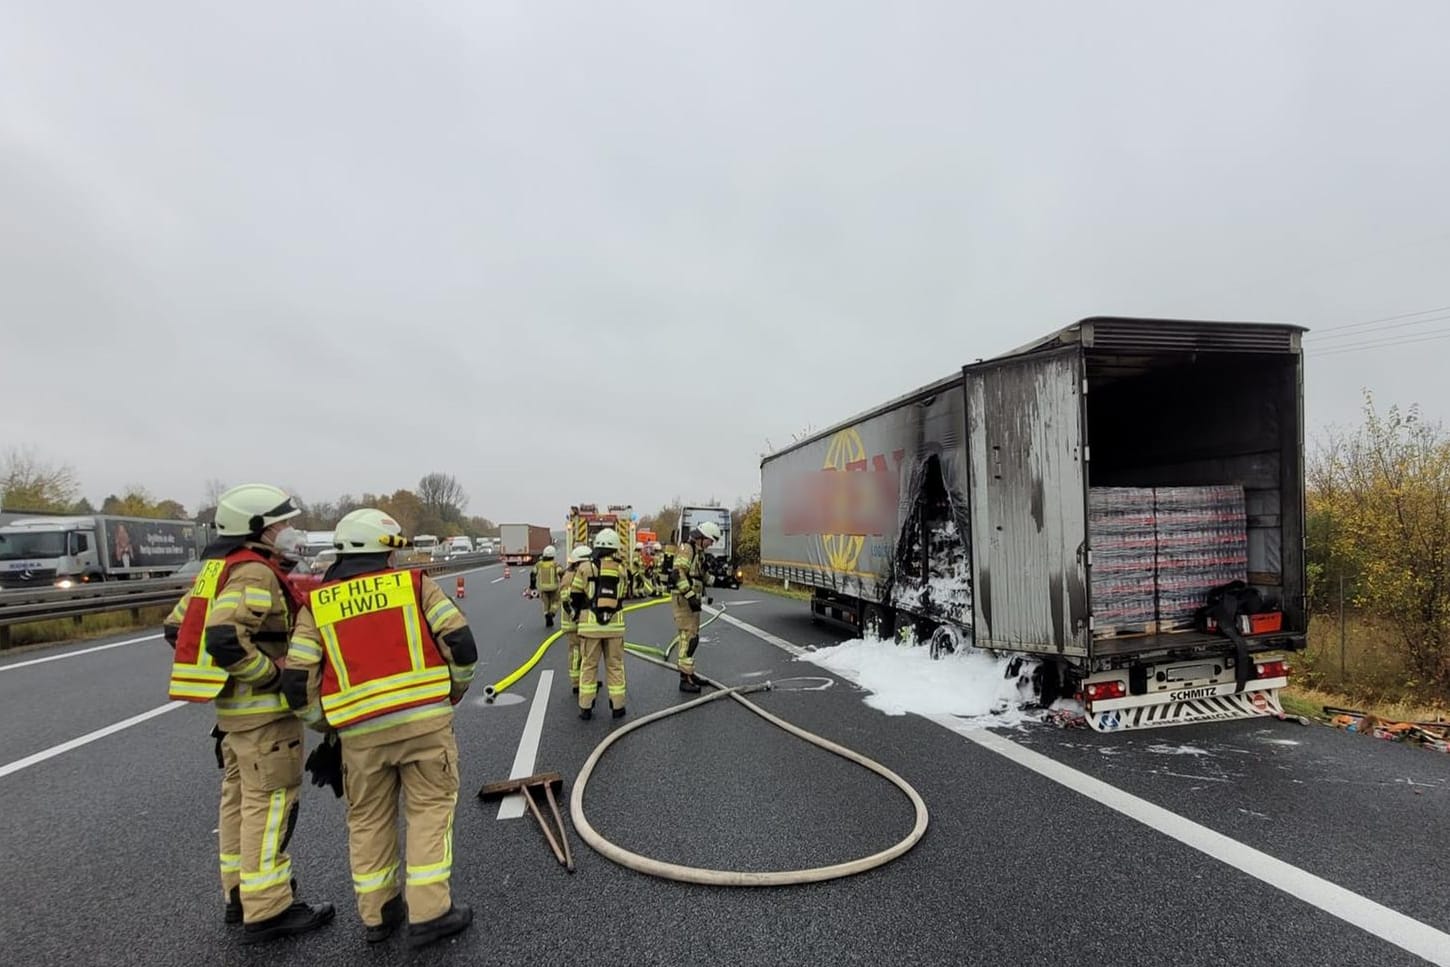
(1215, 708)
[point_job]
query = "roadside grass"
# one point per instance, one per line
(1372, 677)
(1310, 702)
(751, 578)
(60, 630)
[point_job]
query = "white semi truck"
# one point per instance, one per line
(42, 552)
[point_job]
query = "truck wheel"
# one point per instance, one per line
(1050, 682)
(877, 622)
(943, 641)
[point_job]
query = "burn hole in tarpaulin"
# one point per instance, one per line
(931, 570)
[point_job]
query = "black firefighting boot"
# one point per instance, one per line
(297, 919)
(688, 683)
(234, 905)
(395, 913)
(456, 920)
(587, 712)
(617, 713)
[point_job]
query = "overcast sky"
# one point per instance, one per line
(606, 251)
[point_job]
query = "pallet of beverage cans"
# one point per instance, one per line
(1157, 552)
(1121, 534)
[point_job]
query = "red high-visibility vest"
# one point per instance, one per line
(381, 655)
(195, 677)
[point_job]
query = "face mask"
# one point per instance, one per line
(289, 541)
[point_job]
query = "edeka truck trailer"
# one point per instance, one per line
(523, 543)
(1075, 502)
(42, 552)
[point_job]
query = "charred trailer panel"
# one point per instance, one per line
(1029, 503)
(873, 514)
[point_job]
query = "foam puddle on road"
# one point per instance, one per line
(905, 679)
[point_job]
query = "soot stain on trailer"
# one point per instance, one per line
(1056, 600)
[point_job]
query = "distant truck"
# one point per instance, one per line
(719, 559)
(522, 543)
(42, 552)
(1081, 502)
(458, 546)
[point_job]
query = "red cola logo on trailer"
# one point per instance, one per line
(852, 497)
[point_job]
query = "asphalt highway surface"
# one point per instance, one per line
(1259, 842)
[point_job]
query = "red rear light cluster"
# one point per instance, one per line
(1272, 669)
(1097, 690)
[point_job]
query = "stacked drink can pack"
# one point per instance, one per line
(1158, 551)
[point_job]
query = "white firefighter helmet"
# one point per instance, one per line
(655, 547)
(639, 545)
(550, 553)
(367, 531)
(581, 552)
(711, 530)
(248, 510)
(606, 540)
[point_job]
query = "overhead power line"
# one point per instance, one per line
(1375, 332)
(1404, 340)
(1373, 322)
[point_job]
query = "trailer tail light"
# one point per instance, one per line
(1272, 669)
(1099, 690)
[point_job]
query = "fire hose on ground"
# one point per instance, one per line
(702, 875)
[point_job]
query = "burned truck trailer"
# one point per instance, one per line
(1121, 502)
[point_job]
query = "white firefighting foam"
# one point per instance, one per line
(904, 679)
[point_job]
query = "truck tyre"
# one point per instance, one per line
(943, 641)
(1054, 680)
(877, 622)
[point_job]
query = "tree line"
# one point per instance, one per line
(1378, 536)
(436, 506)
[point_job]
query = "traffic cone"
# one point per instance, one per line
(459, 592)
(506, 570)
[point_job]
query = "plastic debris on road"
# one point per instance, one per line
(1431, 735)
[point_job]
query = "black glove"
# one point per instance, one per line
(325, 764)
(218, 734)
(532, 579)
(694, 603)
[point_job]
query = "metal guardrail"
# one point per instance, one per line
(23, 607)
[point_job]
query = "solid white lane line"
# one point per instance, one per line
(89, 737)
(1404, 932)
(512, 807)
(495, 580)
(74, 654)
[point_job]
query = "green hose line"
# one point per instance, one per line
(512, 678)
(710, 877)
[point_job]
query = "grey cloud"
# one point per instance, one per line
(583, 251)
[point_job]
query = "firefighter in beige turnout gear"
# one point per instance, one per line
(597, 593)
(689, 588)
(229, 633)
(544, 578)
(381, 656)
(568, 619)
